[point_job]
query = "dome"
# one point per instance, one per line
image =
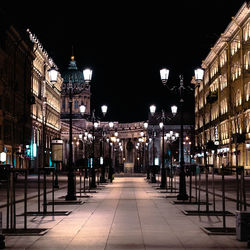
(73, 72)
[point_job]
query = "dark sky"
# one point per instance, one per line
(126, 44)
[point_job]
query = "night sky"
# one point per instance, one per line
(126, 44)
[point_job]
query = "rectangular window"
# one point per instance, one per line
(76, 104)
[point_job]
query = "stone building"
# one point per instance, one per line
(16, 57)
(46, 106)
(222, 99)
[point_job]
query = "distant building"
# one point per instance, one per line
(73, 77)
(222, 100)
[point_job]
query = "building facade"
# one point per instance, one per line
(16, 57)
(222, 99)
(46, 106)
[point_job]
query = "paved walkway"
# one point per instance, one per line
(128, 214)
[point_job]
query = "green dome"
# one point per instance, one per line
(73, 72)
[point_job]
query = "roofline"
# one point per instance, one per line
(237, 20)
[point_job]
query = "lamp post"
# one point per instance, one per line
(163, 171)
(152, 109)
(111, 125)
(199, 73)
(145, 125)
(87, 74)
(164, 73)
(170, 138)
(104, 109)
(53, 73)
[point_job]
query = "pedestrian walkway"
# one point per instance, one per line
(128, 214)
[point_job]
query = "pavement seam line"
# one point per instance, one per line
(140, 220)
(112, 221)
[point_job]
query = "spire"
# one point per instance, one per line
(72, 63)
(72, 53)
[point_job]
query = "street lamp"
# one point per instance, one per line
(199, 73)
(163, 171)
(87, 73)
(53, 73)
(170, 138)
(164, 73)
(111, 126)
(145, 125)
(104, 109)
(152, 110)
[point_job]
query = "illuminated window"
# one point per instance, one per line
(247, 91)
(235, 71)
(214, 85)
(248, 122)
(223, 58)
(246, 32)
(235, 45)
(213, 69)
(223, 82)
(223, 106)
(214, 112)
(201, 121)
(238, 99)
(247, 60)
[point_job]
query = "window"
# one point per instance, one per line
(235, 45)
(214, 112)
(76, 104)
(247, 91)
(223, 106)
(224, 130)
(223, 58)
(201, 121)
(247, 60)
(235, 71)
(223, 82)
(238, 99)
(248, 122)
(213, 69)
(214, 85)
(246, 31)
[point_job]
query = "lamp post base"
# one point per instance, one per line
(182, 197)
(70, 197)
(153, 179)
(71, 187)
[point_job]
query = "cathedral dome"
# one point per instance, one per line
(73, 73)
